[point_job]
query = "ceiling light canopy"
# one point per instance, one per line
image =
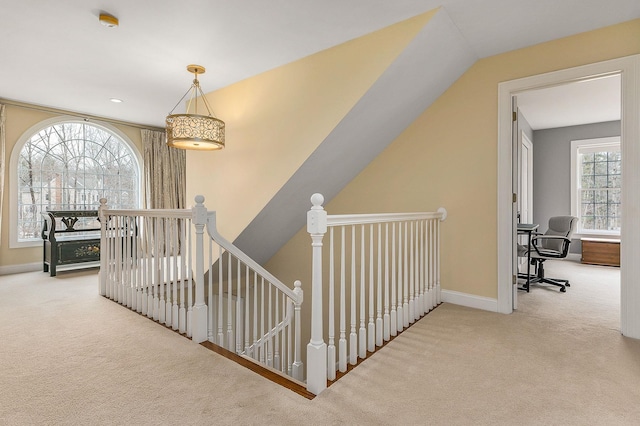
(194, 131)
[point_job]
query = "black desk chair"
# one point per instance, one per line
(553, 244)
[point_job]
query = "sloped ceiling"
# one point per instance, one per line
(424, 70)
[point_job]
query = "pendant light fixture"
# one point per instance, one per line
(193, 130)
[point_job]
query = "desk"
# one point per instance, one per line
(527, 229)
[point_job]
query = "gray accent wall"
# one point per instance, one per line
(552, 169)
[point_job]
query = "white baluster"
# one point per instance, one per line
(156, 266)
(255, 316)
(246, 313)
(412, 294)
(276, 345)
(220, 298)
(211, 324)
(371, 326)
(342, 343)
(270, 348)
(353, 336)
(103, 274)
(400, 287)
(262, 322)
(238, 319)
(393, 331)
(405, 268)
(176, 275)
(423, 290)
(298, 366)
(119, 256)
(379, 328)
(431, 262)
(331, 348)
(164, 273)
(139, 269)
(169, 272)
(386, 318)
(148, 308)
(443, 212)
(229, 342)
(190, 281)
(182, 313)
(290, 344)
(362, 331)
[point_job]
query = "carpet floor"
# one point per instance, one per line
(71, 357)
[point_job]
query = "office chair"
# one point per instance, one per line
(553, 244)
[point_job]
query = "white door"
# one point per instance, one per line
(525, 197)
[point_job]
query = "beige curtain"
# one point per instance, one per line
(2, 160)
(164, 172)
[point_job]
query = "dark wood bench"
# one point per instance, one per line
(70, 237)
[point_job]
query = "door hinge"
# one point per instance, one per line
(515, 197)
(514, 279)
(515, 116)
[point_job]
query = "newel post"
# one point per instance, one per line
(199, 316)
(316, 349)
(103, 274)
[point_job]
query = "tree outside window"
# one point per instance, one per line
(597, 185)
(70, 166)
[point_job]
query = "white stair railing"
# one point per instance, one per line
(386, 270)
(147, 262)
(258, 316)
(383, 275)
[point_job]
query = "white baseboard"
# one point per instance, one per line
(469, 300)
(18, 269)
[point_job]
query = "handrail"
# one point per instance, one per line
(164, 213)
(366, 219)
(229, 247)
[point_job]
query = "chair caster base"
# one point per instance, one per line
(563, 290)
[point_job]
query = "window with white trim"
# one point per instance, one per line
(596, 185)
(70, 165)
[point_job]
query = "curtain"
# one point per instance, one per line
(164, 172)
(2, 161)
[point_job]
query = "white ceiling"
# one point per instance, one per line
(590, 101)
(57, 54)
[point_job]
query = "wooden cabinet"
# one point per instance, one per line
(598, 251)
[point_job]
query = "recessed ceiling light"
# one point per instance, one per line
(116, 100)
(108, 20)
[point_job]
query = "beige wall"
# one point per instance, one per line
(448, 157)
(18, 121)
(275, 120)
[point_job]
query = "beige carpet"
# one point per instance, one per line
(69, 356)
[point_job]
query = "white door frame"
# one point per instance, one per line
(629, 68)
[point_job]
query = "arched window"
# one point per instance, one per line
(70, 165)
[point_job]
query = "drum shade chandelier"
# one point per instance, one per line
(195, 131)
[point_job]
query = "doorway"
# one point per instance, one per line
(629, 69)
(552, 123)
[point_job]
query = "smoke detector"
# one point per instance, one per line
(108, 20)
